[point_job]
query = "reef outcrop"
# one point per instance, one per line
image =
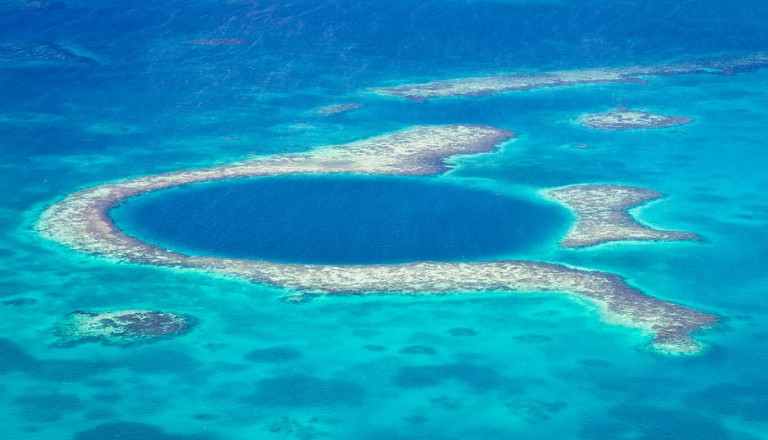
(121, 327)
(40, 53)
(625, 119)
(338, 108)
(487, 85)
(602, 215)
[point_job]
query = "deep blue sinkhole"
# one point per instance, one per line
(339, 220)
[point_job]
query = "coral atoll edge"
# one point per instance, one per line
(489, 85)
(81, 221)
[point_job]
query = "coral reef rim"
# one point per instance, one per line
(487, 85)
(81, 221)
(602, 216)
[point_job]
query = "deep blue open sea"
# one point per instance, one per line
(101, 91)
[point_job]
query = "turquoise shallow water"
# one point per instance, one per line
(139, 100)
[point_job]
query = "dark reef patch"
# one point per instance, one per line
(641, 422)
(98, 414)
(535, 410)
(413, 433)
(748, 402)
(595, 363)
(416, 419)
(273, 355)
(19, 302)
(70, 370)
(11, 288)
(101, 383)
(445, 402)
(106, 398)
(302, 390)
(205, 417)
(49, 407)
(419, 349)
(298, 429)
(13, 358)
(462, 331)
(39, 52)
(532, 338)
(479, 378)
(156, 361)
(135, 431)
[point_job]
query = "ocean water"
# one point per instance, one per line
(341, 220)
(101, 92)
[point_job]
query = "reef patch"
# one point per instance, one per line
(602, 216)
(626, 119)
(121, 327)
(338, 108)
(30, 53)
(488, 85)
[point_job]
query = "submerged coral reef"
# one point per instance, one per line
(487, 85)
(121, 327)
(626, 119)
(338, 108)
(602, 216)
